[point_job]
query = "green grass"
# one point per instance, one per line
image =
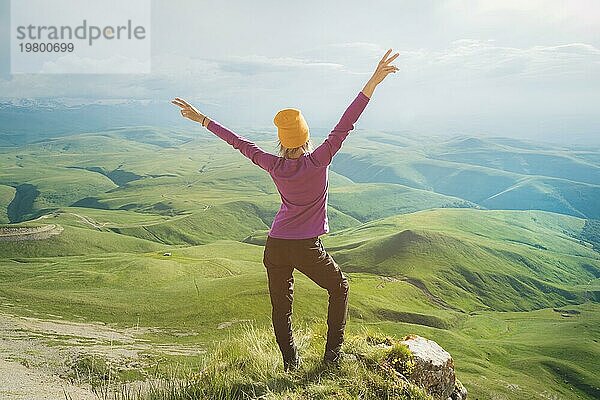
(174, 170)
(482, 283)
(248, 366)
(75, 241)
(591, 233)
(553, 162)
(493, 175)
(357, 200)
(6, 195)
(445, 274)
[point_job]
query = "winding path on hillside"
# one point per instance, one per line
(10, 234)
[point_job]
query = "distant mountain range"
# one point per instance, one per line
(24, 120)
(404, 171)
(28, 120)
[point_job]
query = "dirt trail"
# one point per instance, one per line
(90, 221)
(8, 233)
(36, 354)
(18, 382)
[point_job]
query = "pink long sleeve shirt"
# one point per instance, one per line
(303, 183)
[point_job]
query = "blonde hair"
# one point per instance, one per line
(287, 152)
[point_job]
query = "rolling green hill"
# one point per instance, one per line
(470, 260)
(161, 170)
(494, 175)
(357, 200)
(432, 236)
(7, 193)
(473, 280)
(551, 162)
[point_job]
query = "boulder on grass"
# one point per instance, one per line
(434, 369)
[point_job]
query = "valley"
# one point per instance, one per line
(485, 245)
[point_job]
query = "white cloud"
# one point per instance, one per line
(548, 11)
(479, 60)
(470, 84)
(253, 64)
(476, 61)
(116, 64)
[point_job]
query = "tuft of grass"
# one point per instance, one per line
(249, 366)
(401, 359)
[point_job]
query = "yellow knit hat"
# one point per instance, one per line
(292, 128)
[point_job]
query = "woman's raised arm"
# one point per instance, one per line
(323, 154)
(383, 69)
(248, 148)
(190, 112)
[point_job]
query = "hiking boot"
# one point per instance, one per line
(333, 359)
(291, 365)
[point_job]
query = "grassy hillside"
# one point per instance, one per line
(165, 171)
(474, 259)
(247, 366)
(357, 200)
(512, 294)
(482, 283)
(495, 175)
(528, 160)
(73, 241)
(7, 193)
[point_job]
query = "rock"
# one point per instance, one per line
(433, 369)
(460, 392)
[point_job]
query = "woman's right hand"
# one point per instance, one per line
(384, 68)
(381, 72)
(190, 112)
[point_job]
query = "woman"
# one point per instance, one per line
(301, 177)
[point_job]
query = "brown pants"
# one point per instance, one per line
(281, 256)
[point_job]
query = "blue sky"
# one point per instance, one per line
(526, 69)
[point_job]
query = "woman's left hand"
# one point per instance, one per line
(189, 111)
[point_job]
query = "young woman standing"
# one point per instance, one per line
(301, 177)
